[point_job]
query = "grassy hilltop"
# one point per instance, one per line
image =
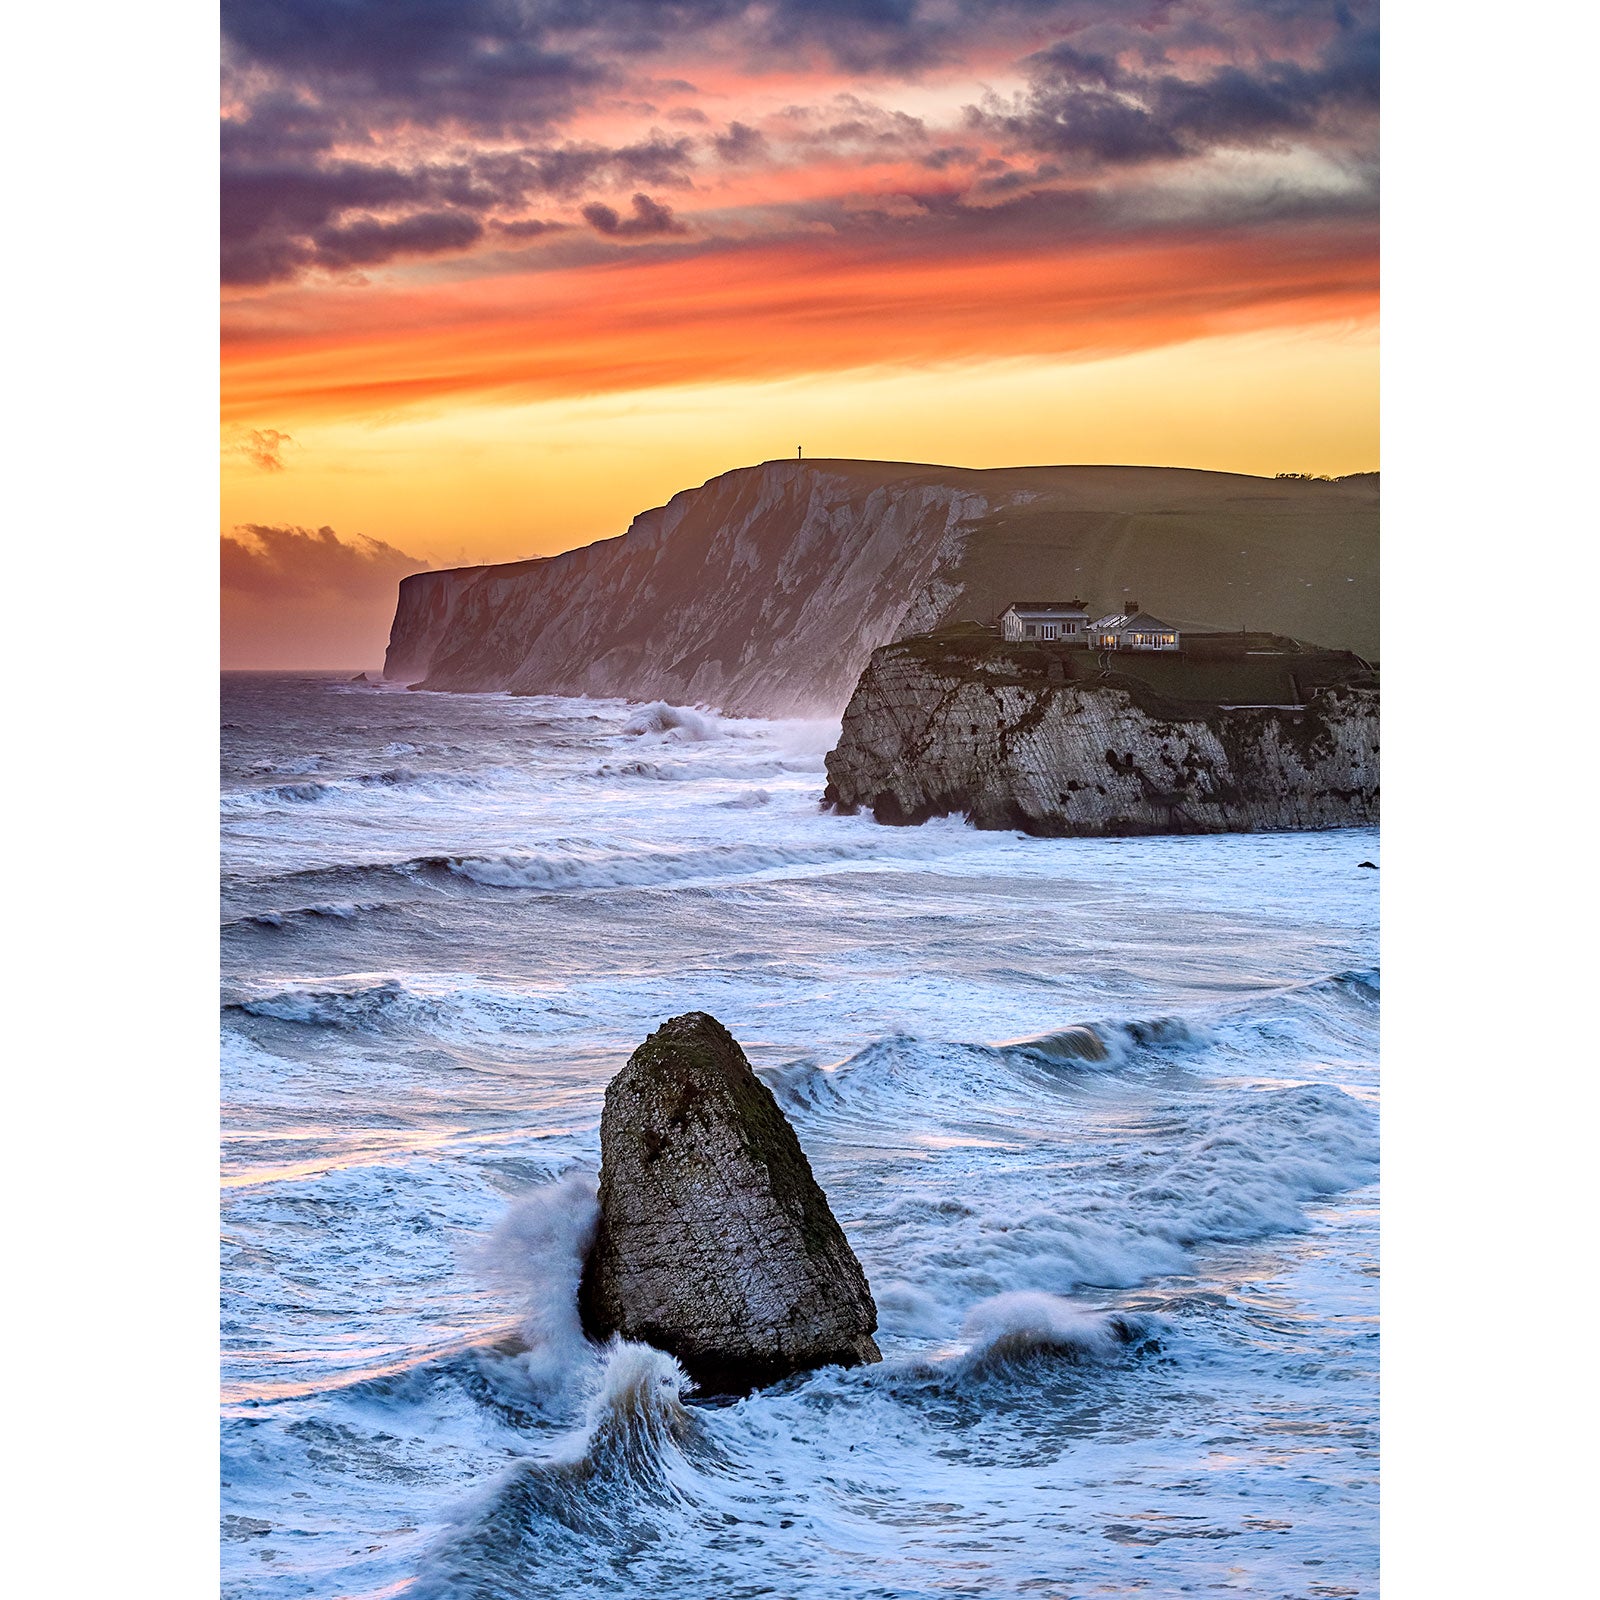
(1212, 550)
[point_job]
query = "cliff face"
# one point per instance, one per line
(762, 593)
(765, 591)
(1037, 739)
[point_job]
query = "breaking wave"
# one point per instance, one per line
(710, 766)
(607, 1487)
(903, 1071)
(1246, 1169)
(1210, 1165)
(1008, 1330)
(649, 771)
(1363, 985)
(643, 868)
(335, 911)
(445, 1006)
(313, 791)
(1217, 1167)
(572, 866)
(1111, 1043)
(679, 723)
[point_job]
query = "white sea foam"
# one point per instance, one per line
(537, 1250)
(906, 1309)
(1246, 1167)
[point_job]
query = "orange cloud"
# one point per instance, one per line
(777, 311)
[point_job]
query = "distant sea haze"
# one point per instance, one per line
(1044, 1083)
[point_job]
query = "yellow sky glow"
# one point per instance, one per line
(484, 483)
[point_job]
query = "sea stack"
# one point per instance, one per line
(715, 1242)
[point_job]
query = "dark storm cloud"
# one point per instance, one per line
(949, 155)
(286, 563)
(1084, 104)
(487, 64)
(282, 214)
(740, 143)
(367, 241)
(1021, 217)
(847, 125)
(570, 169)
(650, 220)
(529, 228)
(498, 65)
(323, 168)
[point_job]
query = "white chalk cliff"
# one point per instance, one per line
(1050, 742)
(766, 590)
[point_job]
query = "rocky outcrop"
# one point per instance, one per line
(1057, 741)
(715, 1242)
(765, 591)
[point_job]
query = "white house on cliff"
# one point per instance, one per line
(1045, 619)
(1131, 629)
(1067, 621)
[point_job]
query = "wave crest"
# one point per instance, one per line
(445, 1005)
(1008, 1329)
(923, 1072)
(600, 1497)
(390, 780)
(338, 911)
(681, 724)
(636, 1414)
(641, 869)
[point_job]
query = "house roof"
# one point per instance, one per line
(1139, 622)
(1032, 607)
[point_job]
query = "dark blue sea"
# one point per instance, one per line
(1044, 1083)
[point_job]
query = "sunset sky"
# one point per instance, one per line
(498, 274)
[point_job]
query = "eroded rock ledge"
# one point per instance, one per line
(1245, 733)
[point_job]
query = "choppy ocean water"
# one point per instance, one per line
(448, 919)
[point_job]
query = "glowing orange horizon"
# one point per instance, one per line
(771, 312)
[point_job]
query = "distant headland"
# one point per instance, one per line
(765, 591)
